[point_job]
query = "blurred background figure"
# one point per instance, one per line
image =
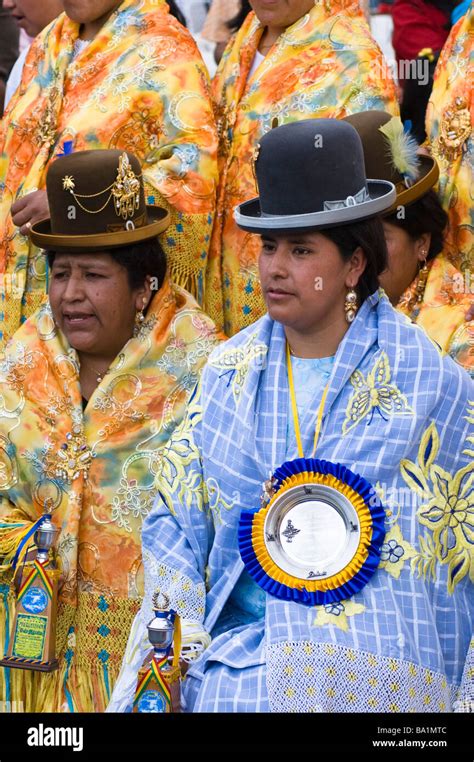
(32, 16)
(449, 127)
(290, 60)
(8, 48)
(225, 17)
(421, 28)
(68, 101)
(195, 12)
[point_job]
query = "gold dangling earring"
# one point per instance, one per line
(422, 278)
(139, 319)
(350, 305)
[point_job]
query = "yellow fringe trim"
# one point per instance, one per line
(89, 659)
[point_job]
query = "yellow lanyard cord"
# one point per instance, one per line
(294, 408)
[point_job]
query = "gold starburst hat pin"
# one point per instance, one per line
(97, 202)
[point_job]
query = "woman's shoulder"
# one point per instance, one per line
(243, 343)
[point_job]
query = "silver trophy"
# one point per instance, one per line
(44, 538)
(161, 627)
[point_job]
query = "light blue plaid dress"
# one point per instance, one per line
(398, 413)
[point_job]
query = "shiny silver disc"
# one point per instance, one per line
(312, 531)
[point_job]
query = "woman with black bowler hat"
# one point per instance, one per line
(318, 530)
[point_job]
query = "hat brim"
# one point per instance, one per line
(429, 173)
(41, 236)
(249, 217)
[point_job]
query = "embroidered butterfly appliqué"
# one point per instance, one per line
(374, 394)
(236, 362)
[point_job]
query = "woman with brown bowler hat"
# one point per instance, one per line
(419, 279)
(121, 74)
(93, 384)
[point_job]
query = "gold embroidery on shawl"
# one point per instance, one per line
(374, 393)
(447, 511)
(237, 361)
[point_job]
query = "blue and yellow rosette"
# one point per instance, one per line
(356, 507)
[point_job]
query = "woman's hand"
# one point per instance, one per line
(470, 313)
(30, 209)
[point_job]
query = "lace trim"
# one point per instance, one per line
(321, 677)
(186, 597)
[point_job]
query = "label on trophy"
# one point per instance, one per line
(35, 600)
(151, 702)
(30, 636)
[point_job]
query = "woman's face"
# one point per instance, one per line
(90, 11)
(280, 13)
(34, 15)
(305, 280)
(92, 302)
(404, 257)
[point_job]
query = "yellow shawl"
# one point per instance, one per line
(139, 85)
(97, 468)
(325, 65)
(449, 126)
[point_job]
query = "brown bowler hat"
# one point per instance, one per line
(97, 202)
(391, 154)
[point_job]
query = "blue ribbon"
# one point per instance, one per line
(67, 148)
(460, 10)
(25, 539)
(317, 597)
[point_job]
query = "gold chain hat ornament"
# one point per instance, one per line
(125, 191)
(97, 202)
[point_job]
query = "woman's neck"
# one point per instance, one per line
(89, 30)
(316, 343)
(269, 37)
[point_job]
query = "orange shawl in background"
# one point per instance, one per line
(449, 127)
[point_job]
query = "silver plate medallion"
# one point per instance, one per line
(312, 531)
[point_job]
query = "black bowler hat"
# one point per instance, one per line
(311, 175)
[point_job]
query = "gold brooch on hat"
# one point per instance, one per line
(125, 191)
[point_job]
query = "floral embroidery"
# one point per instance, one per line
(374, 393)
(447, 510)
(129, 500)
(173, 475)
(337, 614)
(395, 551)
(237, 361)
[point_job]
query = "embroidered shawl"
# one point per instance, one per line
(398, 413)
(449, 127)
(442, 310)
(325, 65)
(96, 468)
(140, 85)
